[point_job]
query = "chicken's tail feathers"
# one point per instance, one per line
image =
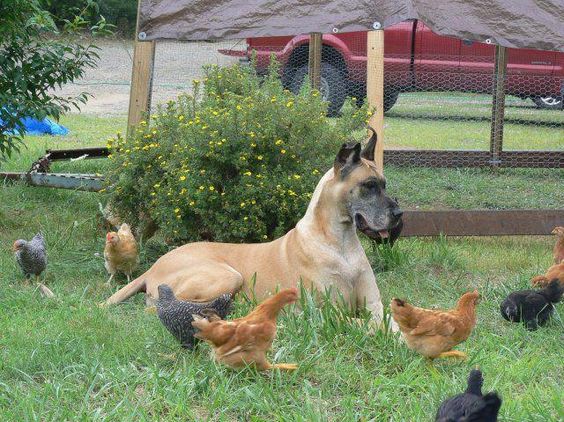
(539, 281)
(130, 289)
(200, 323)
(475, 381)
(553, 292)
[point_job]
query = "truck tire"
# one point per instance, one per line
(549, 102)
(390, 98)
(333, 86)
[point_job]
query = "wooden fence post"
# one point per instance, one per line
(498, 105)
(375, 89)
(141, 79)
(314, 59)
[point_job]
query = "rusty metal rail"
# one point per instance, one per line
(473, 158)
(83, 182)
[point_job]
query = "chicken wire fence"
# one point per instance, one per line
(438, 112)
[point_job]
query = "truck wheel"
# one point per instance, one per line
(549, 102)
(390, 98)
(333, 86)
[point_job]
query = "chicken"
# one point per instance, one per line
(533, 307)
(245, 341)
(433, 333)
(554, 272)
(31, 256)
(470, 406)
(176, 315)
(558, 251)
(120, 253)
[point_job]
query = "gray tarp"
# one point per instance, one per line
(513, 23)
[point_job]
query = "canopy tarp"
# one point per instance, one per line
(535, 24)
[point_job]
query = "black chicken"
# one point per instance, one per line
(470, 406)
(176, 315)
(533, 307)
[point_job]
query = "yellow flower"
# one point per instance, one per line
(278, 142)
(201, 188)
(182, 178)
(282, 151)
(253, 202)
(245, 218)
(191, 203)
(215, 113)
(247, 173)
(265, 236)
(177, 210)
(242, 205)
(239, 107)
(157, 185)
(297, 176)
(180, 118)
(259, 157)
(315, 171)
(212, 188)
(289, 104)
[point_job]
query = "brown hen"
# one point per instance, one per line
(120, 253)
(556, 272)
(433, 333)
(558, 251)
(245, 341)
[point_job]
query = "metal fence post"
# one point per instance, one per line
(141, 78)
(314, 59)
(498, 105)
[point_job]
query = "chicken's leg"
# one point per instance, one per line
(284, 366)
(453, 354)
(110, 279)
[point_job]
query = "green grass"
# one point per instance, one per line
(68, 359)
(463, 121)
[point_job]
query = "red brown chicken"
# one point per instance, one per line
(245, 341)
(433, 333)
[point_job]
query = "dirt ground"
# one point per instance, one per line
(176, 65)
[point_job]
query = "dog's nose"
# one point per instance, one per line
(397, 212)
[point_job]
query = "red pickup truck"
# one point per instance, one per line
(415, 59)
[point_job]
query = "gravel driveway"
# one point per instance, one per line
(176, 65)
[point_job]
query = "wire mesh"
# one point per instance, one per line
(438, 104)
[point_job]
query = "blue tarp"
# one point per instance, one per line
(42, 127)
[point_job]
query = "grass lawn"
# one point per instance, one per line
(68, 359)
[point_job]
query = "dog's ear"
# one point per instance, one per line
(368, 150)
(347, 159)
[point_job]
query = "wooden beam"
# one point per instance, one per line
(141, 79)
(498, 104)
(481, 222)
(314, 60)
(375, 89)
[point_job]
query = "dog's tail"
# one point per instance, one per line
(136, 286)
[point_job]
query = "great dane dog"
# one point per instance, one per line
(323, 250)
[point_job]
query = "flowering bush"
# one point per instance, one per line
(236, 161)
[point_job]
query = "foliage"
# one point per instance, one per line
(121, 13)
(238, 160)
(33, 63)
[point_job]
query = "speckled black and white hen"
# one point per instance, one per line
(31, 255)
(176, 315)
